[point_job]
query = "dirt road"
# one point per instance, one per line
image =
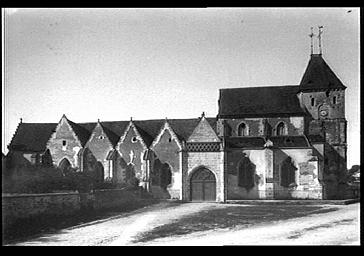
(338, 225)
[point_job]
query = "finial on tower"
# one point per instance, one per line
(319, 37)
(311, 35)
(131, 118)
(98, 120)
(203, 114)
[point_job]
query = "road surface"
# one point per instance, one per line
(338, 227)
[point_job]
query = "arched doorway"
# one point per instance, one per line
(64, 165)
(203, 185)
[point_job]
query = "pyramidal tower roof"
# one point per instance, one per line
(319, 76)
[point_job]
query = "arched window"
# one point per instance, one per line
(281, 129)
(312, 102)
(288, 173)
(334, 100)
(243, 130)
(246, 174)
(267, 129)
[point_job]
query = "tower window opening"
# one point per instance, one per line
(281, 129)
(313, 102)
(242, 130)
(334, 100)
(64, 142)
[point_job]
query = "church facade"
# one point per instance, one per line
(271, 142)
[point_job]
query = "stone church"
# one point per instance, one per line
(266, 142)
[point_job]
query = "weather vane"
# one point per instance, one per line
(319, 37)
(311, 35)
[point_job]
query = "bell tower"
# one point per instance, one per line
(322, 94)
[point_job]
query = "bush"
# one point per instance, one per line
(31, 179)
(39, 179)
(133, 182)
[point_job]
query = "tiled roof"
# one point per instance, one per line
(259, 101)
(183, 128)
(111, 135)
(316, 138)
(290, 141)
(82, 133)
(278, 141)
(245, 142)
(318, 76)
(117, 127)
(149, 129)
(32, 136)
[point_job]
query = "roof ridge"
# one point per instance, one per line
(256, 87)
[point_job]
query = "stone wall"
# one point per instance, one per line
(294, 125)
(322, 98)
(23, 206)
(100, 146)
(64, 132)
(132, 151)
(213, 161)
(168, 151)
(307, 174)
(258, 160)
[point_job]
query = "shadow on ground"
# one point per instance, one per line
(230, 217)
(43, 227)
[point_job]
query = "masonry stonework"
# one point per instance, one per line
(64, 144)
(266, 142)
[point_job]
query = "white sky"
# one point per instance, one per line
(155, 63)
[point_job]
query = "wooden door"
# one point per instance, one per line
(203, 185)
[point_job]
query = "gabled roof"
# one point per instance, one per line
(319, 76)
(185, 127)
(203, 132)
(259, 102)
(117, 127)
(111, 135)
(148, 129)
(32, 136)
(82, 134)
